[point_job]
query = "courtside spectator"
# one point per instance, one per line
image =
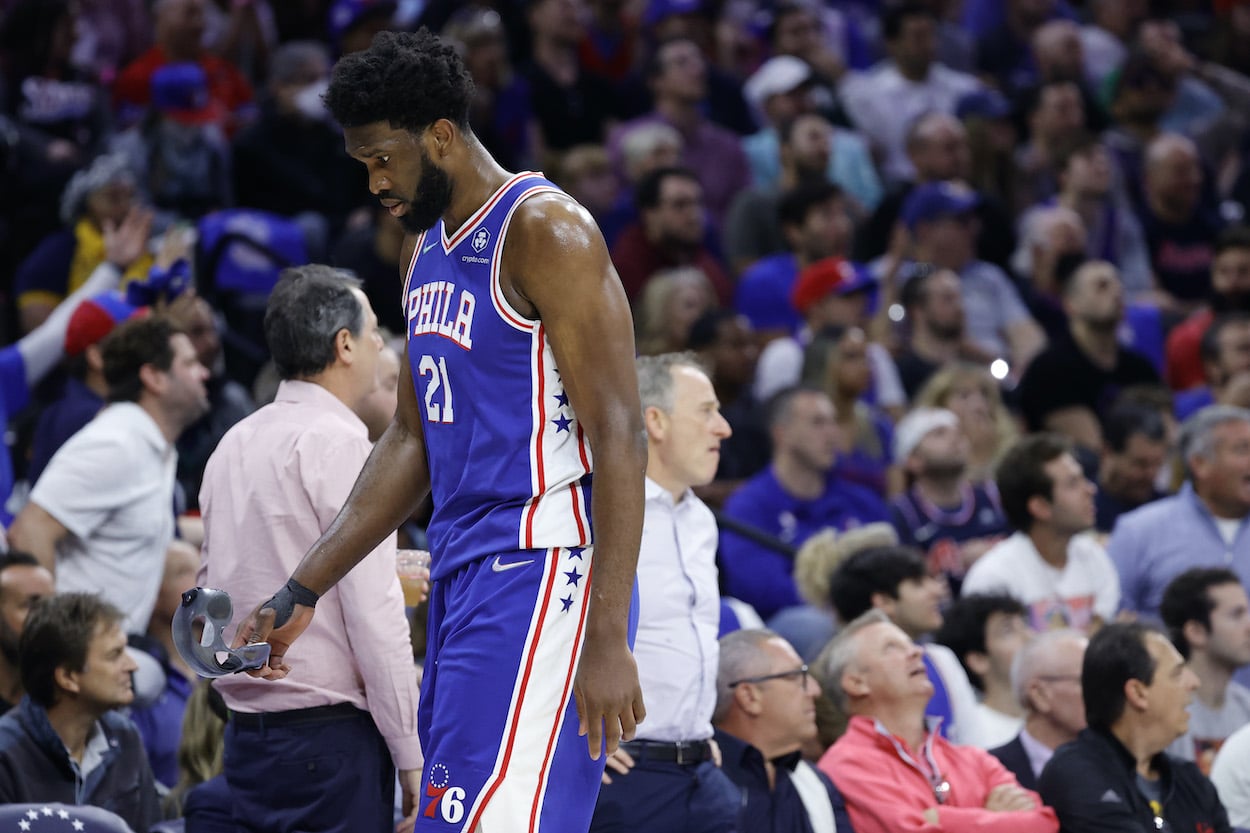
(1134, 449)
(894, 580)
(1046, 677)
(1205, 524)
(794, 498)
(986, 632)
(1207, 615)
(22, 583)
(1230, 292)
(950, 518)
(881, 682)
(1061, 574)
(67, 741)
(1069, 387)
(102, 515)
(765, 714)
(1116, 775)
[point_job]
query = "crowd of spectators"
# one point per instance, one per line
(969, 280)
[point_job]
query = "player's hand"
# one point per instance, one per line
(608, 695)
(258, 627)
(1009, 798)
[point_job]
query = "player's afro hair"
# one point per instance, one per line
(410, 80)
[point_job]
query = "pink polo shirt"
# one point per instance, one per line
(887, 786)
(275, 482)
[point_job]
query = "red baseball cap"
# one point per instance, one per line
(831, 276)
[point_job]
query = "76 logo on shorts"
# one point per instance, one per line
(445, 800)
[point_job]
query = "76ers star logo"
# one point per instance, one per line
(445, 800)
(480, 238)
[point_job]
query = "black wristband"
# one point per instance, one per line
(303, 596)
(284, 601)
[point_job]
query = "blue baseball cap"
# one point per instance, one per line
(937, 200)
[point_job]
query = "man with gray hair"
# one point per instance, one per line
(765, 714)
(877, 675)
(1206, 524)
(669, 778)
(1046, 676)
(272, 487)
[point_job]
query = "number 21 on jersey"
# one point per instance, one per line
(436, 370)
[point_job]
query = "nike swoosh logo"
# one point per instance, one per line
(427, 248)
(499, 566)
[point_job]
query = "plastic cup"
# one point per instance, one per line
(413, 567)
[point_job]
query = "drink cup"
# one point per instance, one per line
(413, 567)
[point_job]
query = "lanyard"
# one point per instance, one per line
(937, 782)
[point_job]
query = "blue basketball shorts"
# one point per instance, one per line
(498, 721)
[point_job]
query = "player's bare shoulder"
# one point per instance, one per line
(548, 227)
(554, 242)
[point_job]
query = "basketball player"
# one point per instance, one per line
(521, 372)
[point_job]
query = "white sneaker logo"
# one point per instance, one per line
(499, 566)
(427, 248)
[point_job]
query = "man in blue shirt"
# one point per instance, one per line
(793, 499)
(1206, 524)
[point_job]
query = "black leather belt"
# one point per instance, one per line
(682, 753)
(295, 717)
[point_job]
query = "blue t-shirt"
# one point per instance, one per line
(763, 577)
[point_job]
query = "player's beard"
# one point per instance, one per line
(431, 200)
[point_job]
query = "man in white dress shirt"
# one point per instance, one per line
(669, 779)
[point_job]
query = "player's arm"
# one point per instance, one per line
(555, 258)
(390, 487)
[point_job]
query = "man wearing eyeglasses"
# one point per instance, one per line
(765, 713)
(896, 772)
(669, 780)
(1046, 678)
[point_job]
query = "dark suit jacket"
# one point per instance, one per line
(1013, 756)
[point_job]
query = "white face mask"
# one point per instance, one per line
(308, 100)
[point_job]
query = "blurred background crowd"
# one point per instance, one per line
(908, 240)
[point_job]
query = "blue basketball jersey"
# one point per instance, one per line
(509, 465)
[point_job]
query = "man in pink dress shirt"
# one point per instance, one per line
(895, 772)
(317, 751)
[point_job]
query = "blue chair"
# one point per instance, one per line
(239, 255)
